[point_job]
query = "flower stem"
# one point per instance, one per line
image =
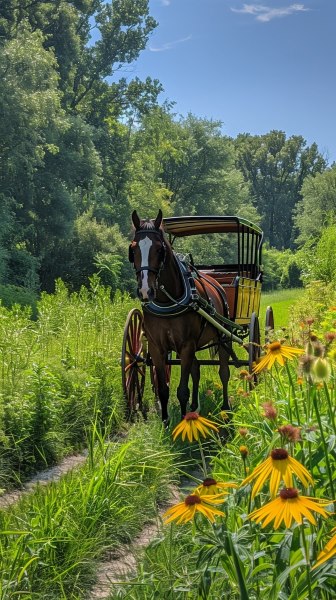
(205, 470)
(324, 443)
(306, 554)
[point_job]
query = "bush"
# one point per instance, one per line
(13, 294)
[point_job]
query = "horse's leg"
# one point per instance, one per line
(187, 356)
(159, 361)
(195, 375)
(224, 374)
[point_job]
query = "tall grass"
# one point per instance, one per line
(57, 374)
(51, 541)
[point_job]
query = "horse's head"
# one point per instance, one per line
(147, 252)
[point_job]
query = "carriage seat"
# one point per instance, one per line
(224, 278)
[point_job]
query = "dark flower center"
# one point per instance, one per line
(288, 493)
(279, 454)
(191, 416)
(209, 481)
(274, 346)
(192, 500)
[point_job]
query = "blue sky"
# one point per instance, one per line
(254, 66)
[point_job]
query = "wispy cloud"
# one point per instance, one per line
(169, 45)
(267, 13)
(165, 2)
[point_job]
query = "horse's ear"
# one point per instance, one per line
(158, 220)
(135, 219)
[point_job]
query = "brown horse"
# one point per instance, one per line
(172, 325)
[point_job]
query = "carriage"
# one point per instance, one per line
(240, 276)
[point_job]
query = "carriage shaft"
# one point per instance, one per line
(215, 323)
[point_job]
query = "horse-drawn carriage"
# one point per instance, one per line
(220, 300)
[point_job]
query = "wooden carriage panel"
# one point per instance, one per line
(248, 299)
(243, 294)
(229, 282)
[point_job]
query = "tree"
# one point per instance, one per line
(275, 168)
(317, 209)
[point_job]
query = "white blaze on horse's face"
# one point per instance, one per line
(145, 246)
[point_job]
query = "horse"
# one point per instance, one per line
(169, 324)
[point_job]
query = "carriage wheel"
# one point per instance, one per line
(133, 362)
(154, 377)
(254, 343)
(269, 323)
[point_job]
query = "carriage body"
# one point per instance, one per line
(240, 276)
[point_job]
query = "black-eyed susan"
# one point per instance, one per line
(278, 466)
(328, 551)
(211, 487)
(186, 510)
(276, 352)
(289, 506)
(192, 425)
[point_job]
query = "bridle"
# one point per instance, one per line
(162, 252)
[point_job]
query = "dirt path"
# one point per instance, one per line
(43, 478)
(119, 567)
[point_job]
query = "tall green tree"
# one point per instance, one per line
(275, 167)
(317, 209)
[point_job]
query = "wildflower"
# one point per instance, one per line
(224, 415)
(299, 381)
(328, 551)
(278, 466)
(209, 393)
(243, 374)
(321, 370)
(306, 364)
(243, 451)
(243, 431)
(191, 425)
(318, 349)
(276, 352)
(332, 308)
(289, 506)
(330, 336)
(211, 487)
(310, 321)
(290, 433)
(186, 510)
(270, 412)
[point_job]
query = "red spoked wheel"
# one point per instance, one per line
(269, 323)
(254, 348)
(133, 362)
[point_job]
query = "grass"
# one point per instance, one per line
(51, 541)
(281, 302)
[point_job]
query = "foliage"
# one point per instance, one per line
(317, 259)
(57, 373)
(275, 168)
(317, 208)
(281, 269)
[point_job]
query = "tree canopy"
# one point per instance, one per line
(82, 147)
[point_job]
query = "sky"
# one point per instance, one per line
(253, 66)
